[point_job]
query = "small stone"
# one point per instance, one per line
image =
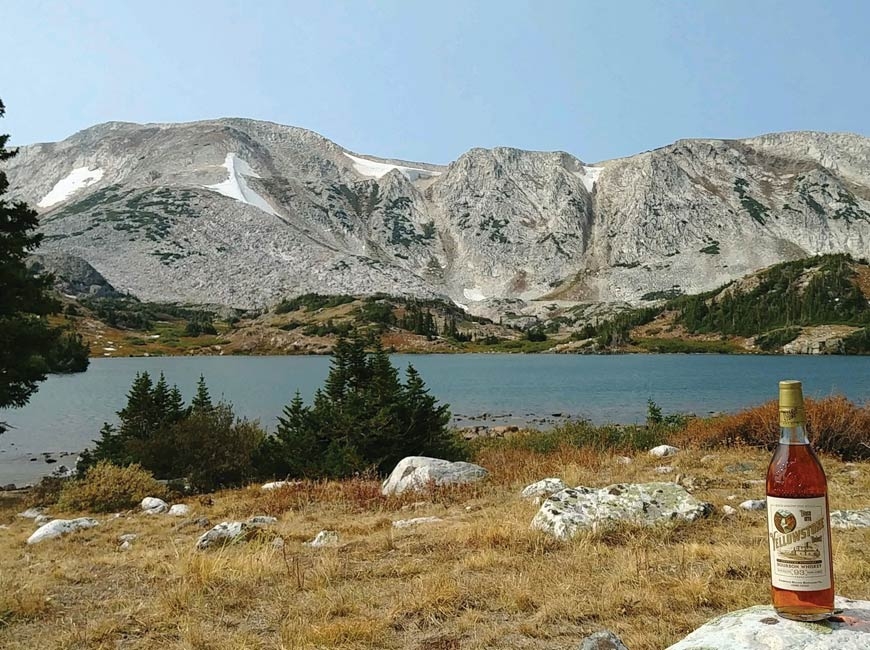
(407, 523)
(274, 485)
(179, 510)
(663, 450)
(324, 538)
(604, 640)
(663, 469)
(848, 519)
(224, 533)
(754, 504)
(127, 537)
(709, 458)
(32, 513)
(154, 506)
(42, 519)
(728, 511)
(624, 460)
(278, 543)
(261, 520)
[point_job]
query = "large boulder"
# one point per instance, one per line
(566, 513)
(419, 472)
(759, 628)
(59, 527)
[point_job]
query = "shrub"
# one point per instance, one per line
(107, 488)
(835, 426)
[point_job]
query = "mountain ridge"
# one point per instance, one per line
(246, 212)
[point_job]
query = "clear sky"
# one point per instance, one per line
(427, 81)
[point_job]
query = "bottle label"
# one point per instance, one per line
(799, 539)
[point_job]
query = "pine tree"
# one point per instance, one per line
(28, 344)
(202, 400)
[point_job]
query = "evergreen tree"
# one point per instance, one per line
(202, 400)
(28, 344)
(363, 418)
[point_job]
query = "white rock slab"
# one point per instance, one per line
(179, 510)
(567, 512)
(419, 472)
(408, 523)
(759, 628)
(544, 487)
(754, 504)
(663, 450)
(58, 527)
(42, 519)
(664, 469)
(154, 506)
(847, 519)
(324, 538)
(31, 513)
(224, 533)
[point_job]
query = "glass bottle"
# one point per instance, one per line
(798, 523)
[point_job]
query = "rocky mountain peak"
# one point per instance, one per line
(244, 213)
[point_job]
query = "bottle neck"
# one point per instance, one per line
(793, 435)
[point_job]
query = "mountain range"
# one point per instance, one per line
(245, 213)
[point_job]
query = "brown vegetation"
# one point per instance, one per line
(835, 425)
(479, 579)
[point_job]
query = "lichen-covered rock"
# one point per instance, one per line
(850, 518)
(419, 472)
(225, 532)
(604, 640)
(754, 504)
(569, 511)
(544, 487)
(59, 527)
(759, 628)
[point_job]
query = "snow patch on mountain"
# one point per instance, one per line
(237, 188)
(589, 175)
(375, 169)
(77, 179)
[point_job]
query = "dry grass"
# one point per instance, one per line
(835, 425)
(479, 579)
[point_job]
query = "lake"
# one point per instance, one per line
(68, 411)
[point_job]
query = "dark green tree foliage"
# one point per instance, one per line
(782, 298)
(421, 322)
(29, 347)
(200, 323)
(363, 418)
(204, 443)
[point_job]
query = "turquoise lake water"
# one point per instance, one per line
(68, 411)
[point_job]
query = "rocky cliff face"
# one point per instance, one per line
(244, 213)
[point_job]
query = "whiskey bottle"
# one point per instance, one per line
(798, 524)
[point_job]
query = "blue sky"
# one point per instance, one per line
(427, 81)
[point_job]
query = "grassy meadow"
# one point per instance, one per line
(480, 578)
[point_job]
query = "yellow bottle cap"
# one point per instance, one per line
(791, 404)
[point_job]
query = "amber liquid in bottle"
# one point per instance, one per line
(802, 582)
